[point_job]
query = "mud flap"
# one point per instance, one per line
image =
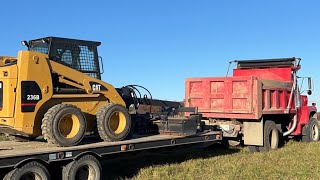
(253, 133)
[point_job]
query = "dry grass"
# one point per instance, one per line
(294, 161)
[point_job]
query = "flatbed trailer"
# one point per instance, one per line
(36, 156)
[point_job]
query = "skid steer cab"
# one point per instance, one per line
(54, 89)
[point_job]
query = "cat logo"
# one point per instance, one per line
(96, 87)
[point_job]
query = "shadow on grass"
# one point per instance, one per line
(129, 166)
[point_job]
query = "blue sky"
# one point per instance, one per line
(158, 44)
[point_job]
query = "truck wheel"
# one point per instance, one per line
(270, 137)
(113, 122)
(63, 125)
(87, 167)
(253, 149)
(312, 131)
(32, 170)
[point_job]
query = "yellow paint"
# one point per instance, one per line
(117, 122)
(69, 126)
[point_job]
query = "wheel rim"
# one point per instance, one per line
(314, 132)
(274, 137)
(117, 122)
(69, 125)
(30, 176)
(86, 173)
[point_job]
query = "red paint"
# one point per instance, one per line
(28, 104)
(278, 74)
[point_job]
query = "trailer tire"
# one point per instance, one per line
(33, 170)
(63, 125)
(113, 122)
(313, 134)
(87, 167)
(270, 136)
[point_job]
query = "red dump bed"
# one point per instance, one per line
(240, 97)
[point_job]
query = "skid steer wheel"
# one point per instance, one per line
(113, 122)
(312, 131)
(270, 136)
(85, 168)
(63, 125)
(30, 171)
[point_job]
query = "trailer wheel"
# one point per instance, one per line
(313, 134)
(270, 136)
(113, 122)
(32, 170)
(63, 125)
(87, 167)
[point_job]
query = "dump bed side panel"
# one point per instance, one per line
(242, 97)
(229, 97)
(276, 97)
(283, 74)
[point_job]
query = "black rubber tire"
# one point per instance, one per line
(270, 136)
(313, 134)
(103, 119)
(224, 144)
(253, 149)
(88, 163)
(50, 125)
(31, 168)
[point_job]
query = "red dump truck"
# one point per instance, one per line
(261, 103)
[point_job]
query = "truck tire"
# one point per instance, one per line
(312, 130)
(87, 167)
(63, 125)
(113, 122)
(31, 170)
(270, 137)
(254, 149)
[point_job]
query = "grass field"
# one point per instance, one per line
(294, 161)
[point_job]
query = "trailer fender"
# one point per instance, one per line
(23, 162)
(253, 132)
(98, 156)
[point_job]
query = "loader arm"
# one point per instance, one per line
(85, 82)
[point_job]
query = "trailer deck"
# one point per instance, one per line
(13, 153)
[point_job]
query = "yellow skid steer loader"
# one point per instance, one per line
(54, 89)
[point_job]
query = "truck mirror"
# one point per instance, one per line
(309, 86)
(309, 83)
